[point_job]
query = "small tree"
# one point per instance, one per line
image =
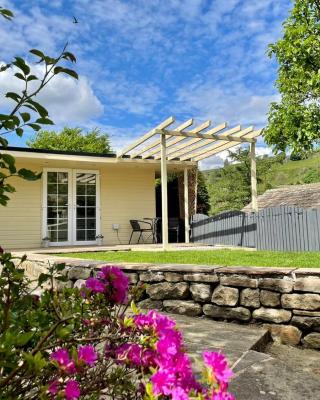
(72, 139)
(294, 122)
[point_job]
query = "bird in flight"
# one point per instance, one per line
(75, 21)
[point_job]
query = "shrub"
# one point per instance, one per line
(84, 343)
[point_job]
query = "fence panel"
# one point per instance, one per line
(283, 228)
(233, 228)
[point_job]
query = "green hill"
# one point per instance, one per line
(229, 186)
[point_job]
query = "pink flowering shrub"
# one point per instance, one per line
(87, 344)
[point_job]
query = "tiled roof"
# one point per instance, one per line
(304, 196)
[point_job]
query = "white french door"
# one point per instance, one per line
(71, 206)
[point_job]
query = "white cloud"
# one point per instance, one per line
(129, 96)
(234, 105)
(68, 101)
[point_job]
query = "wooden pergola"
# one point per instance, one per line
(195, 144)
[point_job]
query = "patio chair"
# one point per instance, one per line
(174, 226)
(137, 226)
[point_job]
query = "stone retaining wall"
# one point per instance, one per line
(287, 300)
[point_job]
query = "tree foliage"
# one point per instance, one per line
(26, 112)
(294, 122)
(230, 187)
(72, 139)
(203, 198)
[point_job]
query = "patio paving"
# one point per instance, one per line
(260, 373)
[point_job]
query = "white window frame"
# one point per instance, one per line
(74, 205)
(72, 173)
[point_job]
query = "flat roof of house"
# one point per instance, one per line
(49, 151)
(61, 155)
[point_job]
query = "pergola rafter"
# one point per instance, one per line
(182, 145)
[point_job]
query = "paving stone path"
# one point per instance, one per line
(262, 371)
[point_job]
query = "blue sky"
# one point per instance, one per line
(141, 61)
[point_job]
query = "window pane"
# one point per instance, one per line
(52, 188)
(52, 212)
(91, 212)
(81, 223)
(53, 235)
(81, 212)
(52, 200)
(62, 200)
(52, 177)
(91, 189)
(91, 201)
(81, 189)
(91, 235)
(63, 188)
(63, 177)
(81, 235)
(91, 224)
(62, 236)
(81, 201)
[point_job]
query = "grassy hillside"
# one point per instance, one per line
(229, 187)
(296, 172)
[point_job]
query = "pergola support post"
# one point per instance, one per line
(186, 205)
(254, 199)
(164, 193)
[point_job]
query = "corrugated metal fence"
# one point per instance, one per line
(283, 228)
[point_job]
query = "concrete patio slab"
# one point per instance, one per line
(233, 340)
(262, 371)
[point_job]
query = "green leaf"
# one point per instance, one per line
(4, 67)
(37, 53)
(32, 78)
(60, 267)
(41, 110)
(71, 72)
(19, 131)
(24, 338)
(8, 159)
(20, 63)
(43, 278)
(13, 96)
(64, 332)
(20, 76)
(7, 14)
(69, 56)
(3, 142)
(29, 175)
(44, 121)
(25, 116)
(36, 127)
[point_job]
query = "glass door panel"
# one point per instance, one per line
(86, 204)
(57, 207)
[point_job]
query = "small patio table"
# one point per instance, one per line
(154, 223)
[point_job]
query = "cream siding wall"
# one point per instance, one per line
(126, 192)
(20, 220)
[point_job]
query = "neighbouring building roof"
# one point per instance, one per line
(304, 196)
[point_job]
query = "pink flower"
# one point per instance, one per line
(116, 282)
(163, 381)
(53, 387)
(95, 285)
(179, 394)
(219, 365)
(87, 354)
(72, 391)
(223, 396)
(61, 356)
(170, 343)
